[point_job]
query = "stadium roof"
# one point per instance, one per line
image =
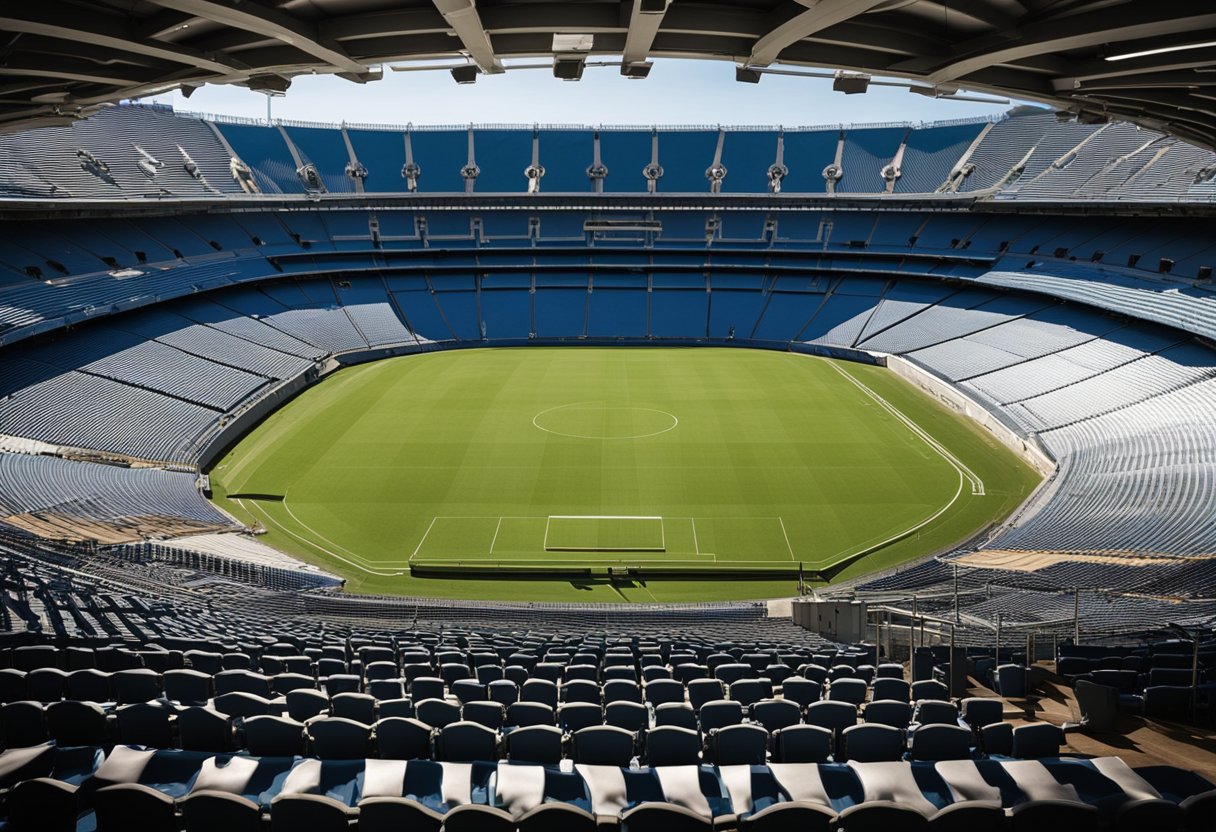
(1150, 63)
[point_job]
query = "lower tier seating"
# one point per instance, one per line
(49, 788)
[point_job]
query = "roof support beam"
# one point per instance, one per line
(986, 12)
(1065, 33)
(58, 66)
(644, 23)
(270, 23)
(815, 17)
(462, 16)
(162, 24)
(1093, 74)
(54, 19)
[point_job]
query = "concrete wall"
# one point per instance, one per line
(958, 401)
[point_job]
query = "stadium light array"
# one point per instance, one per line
(1161, 50)
(853, 83)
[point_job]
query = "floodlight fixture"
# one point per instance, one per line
(569, 68)
(851, 83)
(747, 75)
(466, 74)
(1161, 50)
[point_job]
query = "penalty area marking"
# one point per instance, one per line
(662, 547)
(384, 573)
(580, 556)
(977, 484)
(965, 474)
(493, 540)
(675, 421)
(418, 548)
(786, 535)
(566, 555)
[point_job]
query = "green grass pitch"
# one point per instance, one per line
(702, 459)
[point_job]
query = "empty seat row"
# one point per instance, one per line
(173, 791)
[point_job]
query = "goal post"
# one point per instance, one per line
(604, 533)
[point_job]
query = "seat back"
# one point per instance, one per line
(941, 742)
(273, 736)
(128, 806)
(719, 714)
(775, 714)
(535, 744)
(628, 715)
(888, 712)
(392, 814)
(490, 714)
(578, 715)
(202, 729)
(934, 712)
(1098, 704)
(872, 743)
(524, 714)
(466, 742)
(801, 690)
(664, 691)
(77, 723)
(887, 688)
(402, 738)
(602, 745)
(978, 711)
(1041, 739)
(848, 690)
(802, 744)
(436, 712)
(676, 714)
(739, 745)
(671, 746)
(314, 812)
(335, 738)
(144, 723)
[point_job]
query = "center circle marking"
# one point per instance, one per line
(580, 419)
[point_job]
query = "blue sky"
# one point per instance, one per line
(677, 92)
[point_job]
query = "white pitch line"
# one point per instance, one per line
(977, 484)
(606, 517)
(865, 550)
(695, 544)
(389, 573)
(418, 548)
(323, 538)
(494, 539)
(787, 539)
(675, 421)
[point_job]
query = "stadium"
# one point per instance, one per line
(560, 476)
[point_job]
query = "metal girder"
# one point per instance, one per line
(389, 24)
(62, 54)
(817, 16)
(986, 12)
(54, 19)
(269, 23)
(1171, 103)
(1087, 30)
(462, 16)
(69, 69)
(163, 24)
(642, 27)
(1151, 80)
(1098, 72)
